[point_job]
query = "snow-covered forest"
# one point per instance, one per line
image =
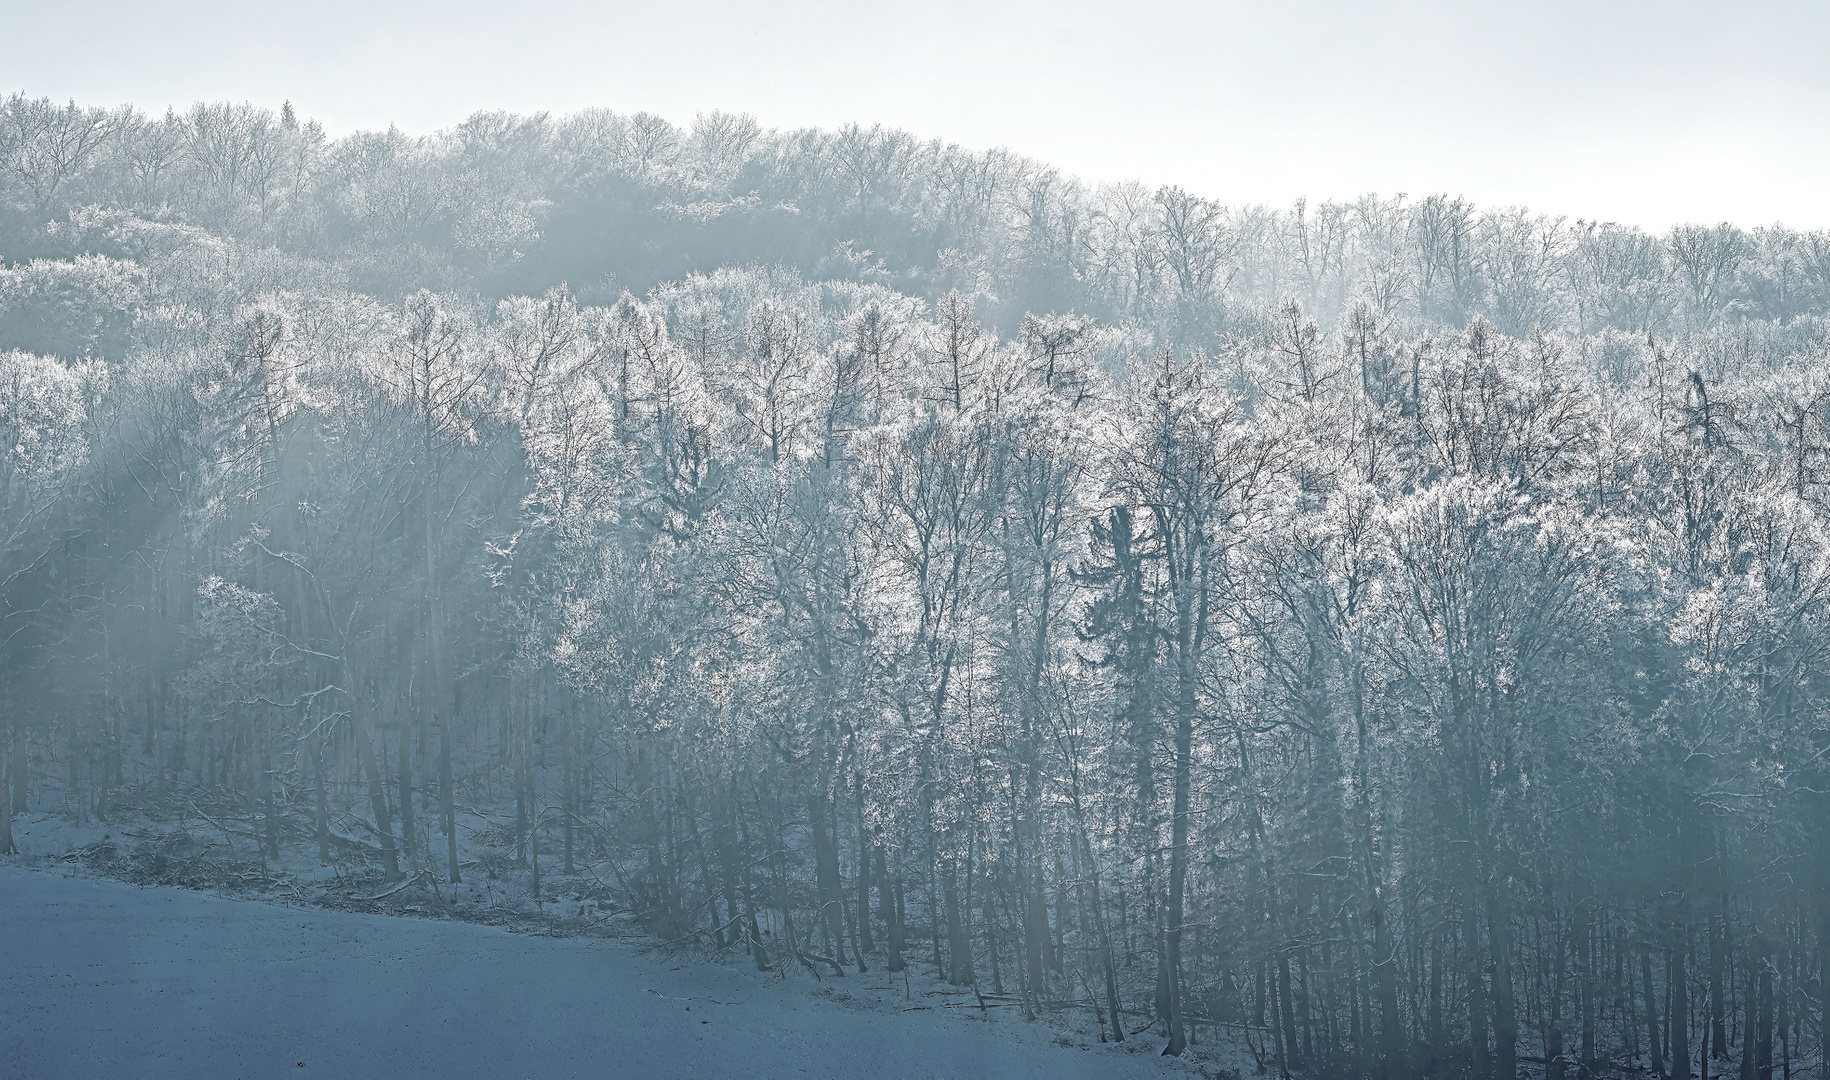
(1391, 631)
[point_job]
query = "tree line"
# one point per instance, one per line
(504, 204)
(1399, 685)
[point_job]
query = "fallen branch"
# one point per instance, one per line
(225, 829)
(350, 841)
(416, 879)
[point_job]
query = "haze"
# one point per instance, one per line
(1641, 113)
(695, 541)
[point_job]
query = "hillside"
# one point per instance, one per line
(1392, 632)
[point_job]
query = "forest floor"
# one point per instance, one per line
(145, 950)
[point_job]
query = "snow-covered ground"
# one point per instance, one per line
(100, 979)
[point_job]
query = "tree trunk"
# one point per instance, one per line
(1184, 740)
(959, 936)
(826, 871)
(1505, 1013)
(1763, 1023)
(409, 832)
(757, 952)
(1678, 1023)
(1188, 651)
(1823, 980)
(1035, 930)
(1652, 1032)
(19, 761)
(866, 943)
(447, 801)
(272, 833)
(1438, 1024)
(323, 800)
(1587, 988)
(567, 782)
(1286, 1010)
(1107, 961)
(1718, 958)
(1480, 1062)
(7, 847)
(1385, 980)
(371, 771)
(896, 925)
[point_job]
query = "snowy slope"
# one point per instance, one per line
(100, 979)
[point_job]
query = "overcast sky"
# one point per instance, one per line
(1631, 111)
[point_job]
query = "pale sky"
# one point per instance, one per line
(1640, 112)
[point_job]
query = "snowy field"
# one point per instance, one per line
(99, 979)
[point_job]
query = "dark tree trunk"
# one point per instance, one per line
(371, 772)
(1652, 1026)
(823, 832)
(7, 846)
(1480, 1015)
(1678, 1023)
(1718, 960)
(959, 936)
(1505, 1013)
(866, 943)
(1764, 1020)
(447, 801)
(897, 923)
(323, 800)
(409, 832)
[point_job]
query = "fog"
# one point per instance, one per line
(1639, 112)
(798, 531)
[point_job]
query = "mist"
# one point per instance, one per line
(880, 586)
(1643, 113)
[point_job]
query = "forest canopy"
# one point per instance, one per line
(1392, 629)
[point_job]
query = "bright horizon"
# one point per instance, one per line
(1648, 114)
